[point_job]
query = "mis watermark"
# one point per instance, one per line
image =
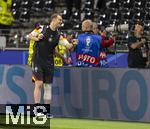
(27, 114)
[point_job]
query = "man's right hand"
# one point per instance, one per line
(74, 41)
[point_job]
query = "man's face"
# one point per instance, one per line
(58, 21)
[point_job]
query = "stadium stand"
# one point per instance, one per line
(116, 12)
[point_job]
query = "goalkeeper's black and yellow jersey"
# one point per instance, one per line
(35, 32)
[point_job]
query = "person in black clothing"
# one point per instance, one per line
(101, 4)
(138, 48)
(42, 61)
(73, 3)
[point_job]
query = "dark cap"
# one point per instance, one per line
(37, 25)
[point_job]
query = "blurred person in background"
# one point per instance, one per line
(6, 17)
(138, 47)
(73, 4)
(100, 4)
(42, 61)
(62, 55)
(105, 44)
(148, 63)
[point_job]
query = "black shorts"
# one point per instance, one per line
(43, 73)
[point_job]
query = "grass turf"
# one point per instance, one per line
(66, 123)
(70, 123)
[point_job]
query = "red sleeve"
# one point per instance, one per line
(106, 43)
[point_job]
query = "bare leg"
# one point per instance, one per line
(47, 93)
(37, 91)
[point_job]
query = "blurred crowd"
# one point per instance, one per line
(138, 46)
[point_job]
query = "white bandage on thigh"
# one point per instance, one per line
(47, 92)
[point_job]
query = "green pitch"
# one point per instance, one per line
(66, 123)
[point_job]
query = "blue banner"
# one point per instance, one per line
(118, 60)
(106, 93)
(111, 94)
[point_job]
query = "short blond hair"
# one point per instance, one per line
(87, 25)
